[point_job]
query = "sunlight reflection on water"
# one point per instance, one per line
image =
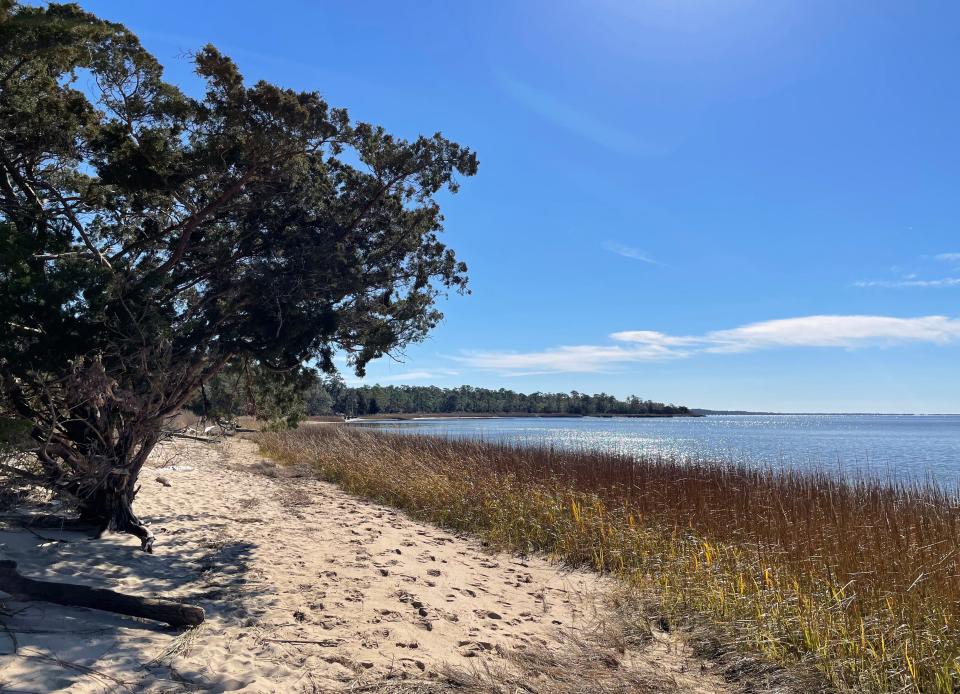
(897, 446)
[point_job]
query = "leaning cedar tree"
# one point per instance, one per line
(148, 239)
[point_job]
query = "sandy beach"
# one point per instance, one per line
(308, 589)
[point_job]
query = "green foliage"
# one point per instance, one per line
(230, 220)
(14, 434)
(275, 398)
(318, 400)
(431, 399)
(149, 239)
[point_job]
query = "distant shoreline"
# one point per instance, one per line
(694, 413)
(409, 416)
(703, 413)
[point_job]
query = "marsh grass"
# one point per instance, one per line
(860, 577)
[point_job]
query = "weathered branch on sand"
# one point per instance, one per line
(173, 613)
(50, 522)
(193, 437)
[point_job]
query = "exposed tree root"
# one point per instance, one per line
(173, 613)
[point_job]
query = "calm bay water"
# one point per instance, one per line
(901, 446)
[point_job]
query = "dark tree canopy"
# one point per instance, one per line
(277, 400)
(148, 239)
(351, 402)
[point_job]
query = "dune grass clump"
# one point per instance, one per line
(860, 577)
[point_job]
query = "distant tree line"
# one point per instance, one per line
(332, 396)
(283, 402)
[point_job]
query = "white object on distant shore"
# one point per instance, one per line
(175, 468)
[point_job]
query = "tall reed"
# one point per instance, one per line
(859, 576)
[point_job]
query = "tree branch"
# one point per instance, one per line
(191, 223)
(80, 230)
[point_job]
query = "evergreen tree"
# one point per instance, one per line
(148, 240)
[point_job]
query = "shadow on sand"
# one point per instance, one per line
(46, 647)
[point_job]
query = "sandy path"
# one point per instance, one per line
(306, 589)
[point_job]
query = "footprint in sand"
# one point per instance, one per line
(331, 621)
(411, 665)
(474, 647)
(389, 616)
(449, 616)
(487, 614)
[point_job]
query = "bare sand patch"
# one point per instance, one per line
(309, 589)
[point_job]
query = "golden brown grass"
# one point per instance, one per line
(860, 577)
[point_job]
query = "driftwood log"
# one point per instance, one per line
(173, 613)
(194, 437)
(50, 522)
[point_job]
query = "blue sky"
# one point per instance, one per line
(740, 204)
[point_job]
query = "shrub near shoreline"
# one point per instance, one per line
(858, 577)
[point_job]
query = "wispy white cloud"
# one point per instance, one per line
(910, 281)
(835, 331)
(576, 119)
(419, 375)
(566, 359)
(808, 331)
(653, 338)
(628, 252)
(846, 332)
(907, 280)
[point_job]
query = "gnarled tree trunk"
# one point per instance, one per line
(94, 437)
(109, 504)
(111, 509)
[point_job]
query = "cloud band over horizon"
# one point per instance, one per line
(631, 346)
